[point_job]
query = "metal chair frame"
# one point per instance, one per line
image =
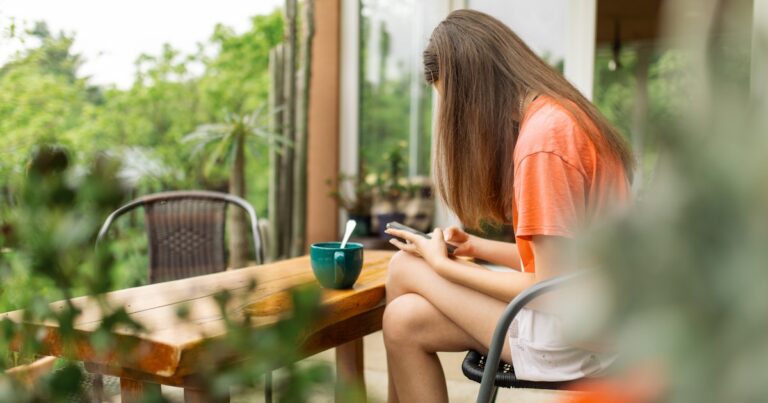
(488, 388)
(188, 195)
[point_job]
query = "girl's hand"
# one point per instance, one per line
(461, 240)
(434, 250)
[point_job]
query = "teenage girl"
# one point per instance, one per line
(514, 140)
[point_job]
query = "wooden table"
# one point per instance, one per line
(169, 349)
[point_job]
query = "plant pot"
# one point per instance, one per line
(363, 224)
(385, 218)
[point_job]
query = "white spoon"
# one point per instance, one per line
(348, 232)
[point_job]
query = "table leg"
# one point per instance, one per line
(97, 387)
(350, 370)
(196, 392)
(192, 395)
(134, 391)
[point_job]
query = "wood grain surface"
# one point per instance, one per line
(168, 346)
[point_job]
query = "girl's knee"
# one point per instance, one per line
(401, 270)
(404, 319)
(398, 264)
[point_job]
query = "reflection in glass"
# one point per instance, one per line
(395, 101)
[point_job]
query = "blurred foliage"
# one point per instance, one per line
(44, 98)
(72, 152)
(385, 103)
(361, 199)
(256, 352)
(688, 265)
(391, 184)
(616, 96)
(47, 249)
(249, 129)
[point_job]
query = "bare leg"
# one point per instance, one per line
(414, 331)
(425, 314)
(475, 313)
(391, 391)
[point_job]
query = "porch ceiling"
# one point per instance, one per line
(636, 20)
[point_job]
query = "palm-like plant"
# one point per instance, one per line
(228, 141)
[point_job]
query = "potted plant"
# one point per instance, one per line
(418, 204)
(358, 204)
(391, 189)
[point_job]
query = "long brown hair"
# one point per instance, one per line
(484, 71)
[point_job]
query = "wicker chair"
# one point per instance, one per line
(186, 237)
(186, 232)
(489, 371)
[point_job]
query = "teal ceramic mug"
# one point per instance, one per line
(335, 267)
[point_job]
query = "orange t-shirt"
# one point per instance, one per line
(560, 183)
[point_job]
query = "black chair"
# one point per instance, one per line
(186, 236)
(492, 373)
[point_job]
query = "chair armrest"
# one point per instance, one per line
(500, 334)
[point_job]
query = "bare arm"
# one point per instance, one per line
(500, 285)
(496, 252)
(504, 286)
(549, 251)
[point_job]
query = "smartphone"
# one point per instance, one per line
(396, 225)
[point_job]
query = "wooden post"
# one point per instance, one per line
(300, 173)
(289, 129)
(134, 391)
(323, 118)
(238, 233)
(276, 102)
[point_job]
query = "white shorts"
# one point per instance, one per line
(540, 351)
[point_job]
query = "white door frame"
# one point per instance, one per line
(349, 93)
(580, 53)
(759, 77)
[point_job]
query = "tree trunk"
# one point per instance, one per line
(300, 172)
(289, 129)
(238, 230)
(276, 102)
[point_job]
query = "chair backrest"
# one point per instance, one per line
(185, 230)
